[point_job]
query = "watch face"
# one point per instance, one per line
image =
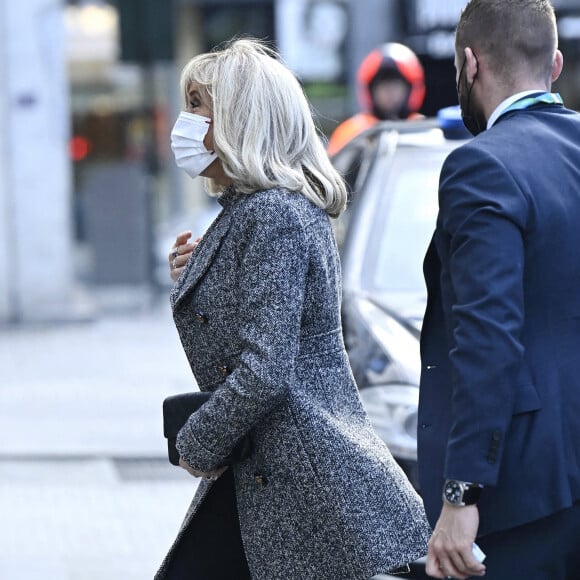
(453, 492)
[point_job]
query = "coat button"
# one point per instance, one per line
(261, 479)
(224, 370)
(201, 317)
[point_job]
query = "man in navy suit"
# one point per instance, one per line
(499, 410)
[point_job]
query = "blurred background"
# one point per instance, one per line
(89, 193)
(90, 202)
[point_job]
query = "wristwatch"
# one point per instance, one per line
(461, 493)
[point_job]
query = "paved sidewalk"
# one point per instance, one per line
(86, 492)
(83, 520)
(90, 388)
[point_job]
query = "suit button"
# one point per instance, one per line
(201, 317)
(261, 479)
(224, 370)
(491, 458)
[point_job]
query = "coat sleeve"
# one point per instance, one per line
(482, 221)
(274, 262)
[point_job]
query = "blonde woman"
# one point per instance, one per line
(257, 307)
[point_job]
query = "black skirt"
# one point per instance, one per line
(211, 547)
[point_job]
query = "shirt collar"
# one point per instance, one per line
(506, 103)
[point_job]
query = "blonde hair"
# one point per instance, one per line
(263, 129)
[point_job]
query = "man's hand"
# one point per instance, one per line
(450, 546)
(180, 252)
(213, 475)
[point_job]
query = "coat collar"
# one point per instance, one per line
(229, 197)
(210, 243)
(201, 258)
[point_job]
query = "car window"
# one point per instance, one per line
(404, 222)
(353, 164)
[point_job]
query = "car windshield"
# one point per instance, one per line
(404, 223)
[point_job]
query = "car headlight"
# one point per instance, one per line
(386, 362)
(393, 340)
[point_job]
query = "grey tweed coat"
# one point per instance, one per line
(258, 313)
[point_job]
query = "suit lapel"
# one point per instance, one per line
(432, 266)
(201, 258)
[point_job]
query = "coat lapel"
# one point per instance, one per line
(201, 258)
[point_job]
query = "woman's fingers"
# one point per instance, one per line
(212, 475)
(180, 252)
(182, 238)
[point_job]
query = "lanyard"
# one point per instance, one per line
(525, 102)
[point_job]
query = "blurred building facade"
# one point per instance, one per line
(36, 267)
(89, 193)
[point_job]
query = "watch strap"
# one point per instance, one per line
(471, 493)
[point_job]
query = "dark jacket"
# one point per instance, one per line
(258, 313)
(500, 385)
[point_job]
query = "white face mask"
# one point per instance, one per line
(187, 137)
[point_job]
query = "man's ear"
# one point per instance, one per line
(471, 65)
(557, 66)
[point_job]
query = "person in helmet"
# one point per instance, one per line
(390, 85)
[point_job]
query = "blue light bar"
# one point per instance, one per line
(451, 123)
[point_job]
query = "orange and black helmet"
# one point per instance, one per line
(391, 60)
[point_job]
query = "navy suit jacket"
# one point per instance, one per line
(500, 346)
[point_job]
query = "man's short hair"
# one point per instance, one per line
(517, 36)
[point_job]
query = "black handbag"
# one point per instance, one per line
(177, 410)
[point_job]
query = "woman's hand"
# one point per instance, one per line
(213, 475)
(180, 252)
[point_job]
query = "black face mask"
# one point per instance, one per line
(474, 120)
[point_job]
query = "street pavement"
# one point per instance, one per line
(86, 492)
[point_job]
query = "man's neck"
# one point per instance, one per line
(501, 93)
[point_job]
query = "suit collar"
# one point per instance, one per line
(523, 100)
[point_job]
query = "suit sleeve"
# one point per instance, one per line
(482, 219)
(272, 282)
